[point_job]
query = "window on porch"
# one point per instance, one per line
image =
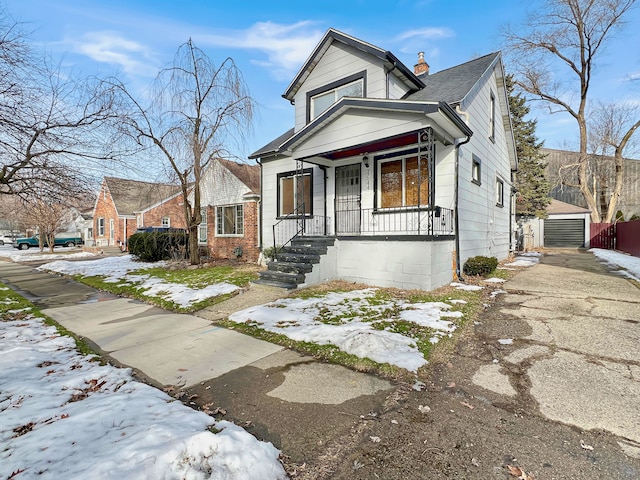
(295, 192)
(403, 183)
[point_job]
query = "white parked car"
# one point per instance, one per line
(6, 239)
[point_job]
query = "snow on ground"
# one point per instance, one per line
(34, 254)
(120, 270)
(64, 416)
(628, 265)
(525, 260)
(350, 327)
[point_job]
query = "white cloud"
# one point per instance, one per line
(286, 46)
(114, 49)
(634, 76)
(430, 33)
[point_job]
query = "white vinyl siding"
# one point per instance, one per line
(340, 61)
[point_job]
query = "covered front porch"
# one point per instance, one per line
(376, 189)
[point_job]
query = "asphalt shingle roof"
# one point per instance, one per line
(453, 84)
(247, 174)
(130, 196)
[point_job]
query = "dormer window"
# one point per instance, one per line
(320, 99)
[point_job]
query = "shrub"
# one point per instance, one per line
(155, 246)
(480, 265)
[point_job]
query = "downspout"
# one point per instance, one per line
(260, 208)
(456, 224)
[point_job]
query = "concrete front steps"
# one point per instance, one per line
(294, 261)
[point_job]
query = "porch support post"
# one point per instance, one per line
(426, 144)
(300, 196)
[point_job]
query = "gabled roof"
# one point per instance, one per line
(332, 35)
(557, 207)
(453, 84)
(130, 196)
(247, 174)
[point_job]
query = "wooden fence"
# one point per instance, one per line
(628, 237)
(603, 235)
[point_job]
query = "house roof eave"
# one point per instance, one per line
(332, 35)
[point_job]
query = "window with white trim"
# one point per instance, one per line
(322, 101)
(229, 221)
(202, 226)
(166, 222)
(476, 170)
(101, 227)
(499, 193)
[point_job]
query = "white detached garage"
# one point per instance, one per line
(567, 226)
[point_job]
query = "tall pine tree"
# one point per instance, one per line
(532, 185)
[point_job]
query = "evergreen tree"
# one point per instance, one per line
(530, 181)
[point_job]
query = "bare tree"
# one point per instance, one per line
(46, 214)
(198, 110)
(52, 123)
(568, 36)
(612, 127)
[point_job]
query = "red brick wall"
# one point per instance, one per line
(222, 247)
(105, 209)
(173, 208)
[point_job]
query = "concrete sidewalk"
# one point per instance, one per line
(282, 394)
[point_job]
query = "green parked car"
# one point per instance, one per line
(60, 241)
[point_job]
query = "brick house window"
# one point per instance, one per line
(166, 222)
(101, 227)
(230, 221)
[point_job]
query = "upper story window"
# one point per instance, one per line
(166, 222)
(492, 118)
(320, 99)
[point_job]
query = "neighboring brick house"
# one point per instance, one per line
(123, 205)
(230, 203)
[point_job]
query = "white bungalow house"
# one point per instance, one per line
(390, 176)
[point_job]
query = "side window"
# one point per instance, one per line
(492, 118)
(166, 222)
(476, 170)
(499, 193)
(101, 227)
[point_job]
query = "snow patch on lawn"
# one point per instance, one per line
(64, 416)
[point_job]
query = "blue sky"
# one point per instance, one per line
(270, 41)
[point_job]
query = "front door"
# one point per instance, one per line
(348, 199)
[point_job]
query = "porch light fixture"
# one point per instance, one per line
(365, 160)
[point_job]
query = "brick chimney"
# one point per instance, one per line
(421, 67)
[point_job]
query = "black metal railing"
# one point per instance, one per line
(402, 221)
(291, 226)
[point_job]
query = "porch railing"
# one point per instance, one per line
(289, 227)
(369, 221)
